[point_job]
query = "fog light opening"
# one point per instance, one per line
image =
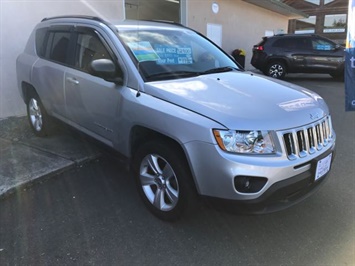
(249, 184)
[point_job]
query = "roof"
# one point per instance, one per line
(279, 7)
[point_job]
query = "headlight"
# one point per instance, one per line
(252, 142)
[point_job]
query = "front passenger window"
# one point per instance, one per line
(322, 45)
(89, 48)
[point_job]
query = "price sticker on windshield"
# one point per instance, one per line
(174, 55)
(323, 166)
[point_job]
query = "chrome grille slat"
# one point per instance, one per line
(307, 140)
(312, 141)
(318, 137)
(301, 143)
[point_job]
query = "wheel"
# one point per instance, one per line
(276, 69)
(37, 116)
(163, 179)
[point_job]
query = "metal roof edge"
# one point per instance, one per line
(278, 7)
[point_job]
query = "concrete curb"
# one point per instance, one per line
(26, 159)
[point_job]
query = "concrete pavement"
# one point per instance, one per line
(25, 158)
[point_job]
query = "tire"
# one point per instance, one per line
(37, 116)
(163, 179)
(276, 70)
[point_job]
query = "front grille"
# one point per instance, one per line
(303, 141)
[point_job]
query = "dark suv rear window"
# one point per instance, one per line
(293, 43)
(262, 42)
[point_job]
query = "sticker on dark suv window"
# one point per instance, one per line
(323, 47)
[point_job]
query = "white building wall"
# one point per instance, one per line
(243, 24)
(18, 18)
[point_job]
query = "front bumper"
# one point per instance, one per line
(288, 182)
(280, 195)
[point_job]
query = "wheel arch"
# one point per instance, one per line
(27, 90)
(277, 59)
(140, 135)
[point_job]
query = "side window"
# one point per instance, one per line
(303, 43)
(41, 41)
(293, 43)
(322, 45)
(283, 43)
(57, 46)
(89, 47)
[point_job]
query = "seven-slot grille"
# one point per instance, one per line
(307, 140)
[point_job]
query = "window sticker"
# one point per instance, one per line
(143, 51)
(323, 47)
(174, 55)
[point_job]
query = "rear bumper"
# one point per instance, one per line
(258, 60)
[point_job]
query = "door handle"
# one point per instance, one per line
(73, 80)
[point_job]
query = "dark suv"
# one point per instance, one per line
(278, 55)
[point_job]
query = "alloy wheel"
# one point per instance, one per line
(35, 115)
(276, 71)
(159, 182)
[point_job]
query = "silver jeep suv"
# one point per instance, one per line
(188, 118)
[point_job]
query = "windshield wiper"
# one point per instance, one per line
(180, 74)
(174, 74)
(219, 70)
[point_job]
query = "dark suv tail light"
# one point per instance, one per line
(259, 48)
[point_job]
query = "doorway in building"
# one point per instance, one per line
(168, 10)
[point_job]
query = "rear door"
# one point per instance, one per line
(295, 50)
(53, 49)
(92, 103)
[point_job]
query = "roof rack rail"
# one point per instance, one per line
(76, 16)
(296, 34)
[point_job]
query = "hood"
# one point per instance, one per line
(243, 100)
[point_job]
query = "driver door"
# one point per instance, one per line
(91, 102)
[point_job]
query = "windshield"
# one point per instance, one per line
(162, 54)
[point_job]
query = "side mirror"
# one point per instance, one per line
(338, 47)
(105, 69)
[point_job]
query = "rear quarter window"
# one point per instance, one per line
(40, 41)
